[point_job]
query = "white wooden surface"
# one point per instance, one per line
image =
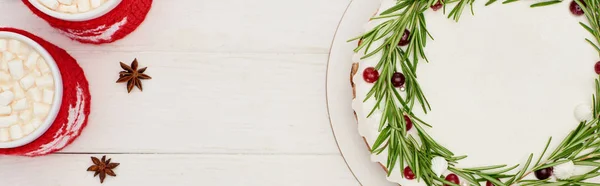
(238, 98)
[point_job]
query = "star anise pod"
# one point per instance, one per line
(102, 167)
(132, 75)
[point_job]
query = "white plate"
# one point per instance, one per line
(510, 76)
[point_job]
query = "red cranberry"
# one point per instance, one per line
(452, 178)
(543, 174)
(409, 123)
(398, 79)
(408, 173)
(370, 75)
(405, 38)
(597, 67)
(437, 5)
(576, 9)
(489, 183)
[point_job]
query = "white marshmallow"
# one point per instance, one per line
(4, 135)
(42, 65)
(14, 46)
(7, 56)
(66, 2)
(5, 110)
(28, 128)
(15, 67)
(6, 121)
(96, 3)
(32, 60)
(16, 132)
(40, 109)
(83, 5)
(36, 122)
(51, 4)
(35, 94)
(48, 96)
(18, 91)
(27, 82)
(4, 76)
(68, 8)
(24, 51)
(36, 73)
(26, 115)
(44, 81)
(6, 98)
(3, 45)
(20, 105)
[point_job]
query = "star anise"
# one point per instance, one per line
(102, 167)
(132, 75)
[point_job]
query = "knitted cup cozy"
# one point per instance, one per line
(74, 109)
(110, 27)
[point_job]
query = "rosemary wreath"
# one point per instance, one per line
(580, 147)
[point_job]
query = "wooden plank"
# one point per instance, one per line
(170, 169)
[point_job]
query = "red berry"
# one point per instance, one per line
(543, 174)
(409, 123)
(576, 9)
(489, 183)
(597, 67)
(408, 173)
(437, 5)
(404, 41)
(370, 75)
(398, 79)
(452, 178)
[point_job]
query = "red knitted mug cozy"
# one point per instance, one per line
(112, 26)
(74, 109)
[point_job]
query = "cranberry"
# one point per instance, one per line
(437, 5)
(597, 67)
(489, 183)
(543, 174)
(452, 178)
(408, 173)
(370, 75)
(405, 38)
(576, 9)
(409, 123)
(398, 79)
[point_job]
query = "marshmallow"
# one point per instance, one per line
(14, 46)
(48, 96)
(15, 67)
(7, 56)
(16, 132)
(6, 98)
(68, 8)
(36, 73)
(83, 5)
(4, 76)
(28, 128)
(35, 94)
(65, 2)
(44, 81)
(18, 91)
(42, 65)
(27, 82)
(20, 105)
(4, 135)
(24, 51)
(51, 4)
(6, 121)
(36, 122)
(32, 60)
(5, 110)
(3, 45)
(41, 109)
(96, 3)
(25, 115)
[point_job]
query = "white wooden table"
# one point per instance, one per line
(237, 98)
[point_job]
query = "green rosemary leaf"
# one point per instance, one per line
(493, 180)
(545, 3)
(509, 1)
(587, 163)
(485, 168)
(551, 164)
(543, 152)
(490, 2)
(525, 167)
(503, 170)
(467, 177)
(594, 45)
